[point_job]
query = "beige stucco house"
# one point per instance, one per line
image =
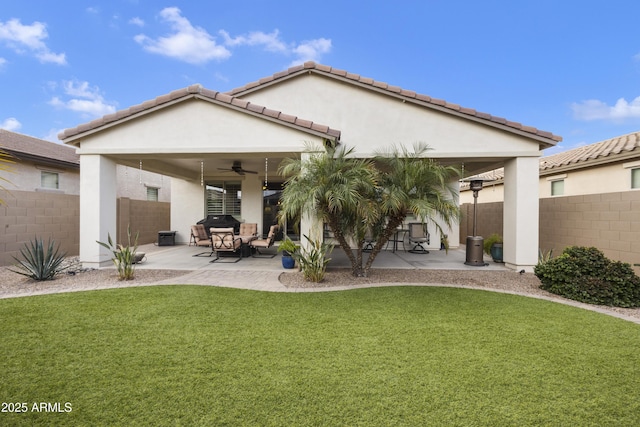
(608, 166)
(40, 195)
(195, 135)
(589, 196)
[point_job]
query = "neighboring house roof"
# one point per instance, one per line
(610, 150)
(197, 91)
(25, 147)
(407, 95)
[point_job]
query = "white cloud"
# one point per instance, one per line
(196, 46)
(2, 62)
(310, 50)
(594, 109)
(136, 21)
(52, 136)
(187, 43)
(271, 42)
(29, 38)
(84, 99)
(11, 124)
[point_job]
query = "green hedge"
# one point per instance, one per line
(586, 275)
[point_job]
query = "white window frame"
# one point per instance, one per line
(49, 177)
(553, 180)
(154, 192)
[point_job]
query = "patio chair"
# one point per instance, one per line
(418, 236)
(368, 242)
(223, 240)
(248, 229)
(199, 238)
(258, 244)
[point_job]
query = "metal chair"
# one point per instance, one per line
(258, 244)
(223, 240)
(199, 238)
(418, 236)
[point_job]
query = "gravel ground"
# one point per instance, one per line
(13, 284)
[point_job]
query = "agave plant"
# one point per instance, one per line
(123, 256)
(38, 263)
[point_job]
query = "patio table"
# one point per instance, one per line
(245, 248)
(397, 239)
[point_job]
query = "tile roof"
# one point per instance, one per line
(398, 92)
(609, 148)
(614, 149)
(197, 91)
(27, 147)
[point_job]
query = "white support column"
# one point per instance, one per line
(521, 212)
(97, 209)
(310, 225)
(187, 207)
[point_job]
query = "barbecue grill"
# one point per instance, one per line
(220, 221)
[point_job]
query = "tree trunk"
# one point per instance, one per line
(391, 228)
(356, 263)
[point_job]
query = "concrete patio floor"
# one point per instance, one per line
(180, 257)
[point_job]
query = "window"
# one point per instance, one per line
(635, 178)
(224, 198)
(49, 180)
(152, 194)
(557, 187)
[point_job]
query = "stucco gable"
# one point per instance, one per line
(73, 135)
(547, 139)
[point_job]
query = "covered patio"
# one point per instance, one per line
(181, 257)
(221, 150)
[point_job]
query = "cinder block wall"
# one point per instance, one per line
(142, 216)
(609, 221)
(26, 215)
(490, 217)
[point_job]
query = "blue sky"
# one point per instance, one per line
(568, 67)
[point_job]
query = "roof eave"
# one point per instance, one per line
(75, 139)
(402, 95)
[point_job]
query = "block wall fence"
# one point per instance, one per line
(608, 221)
(25, 215)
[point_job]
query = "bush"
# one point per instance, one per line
(123, 256)
(586, 275)
(489, 241)
(38, 263)
(313, 261)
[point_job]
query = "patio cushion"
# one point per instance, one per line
(223, 239)
(199, 231)
(248, 229)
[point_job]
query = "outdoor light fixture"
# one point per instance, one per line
(475, 244)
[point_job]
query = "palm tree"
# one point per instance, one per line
(412, 183)
(354, 195)
(337, 188)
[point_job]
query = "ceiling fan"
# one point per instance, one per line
(237, 168)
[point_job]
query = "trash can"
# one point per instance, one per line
(475, 250)
(166, 238)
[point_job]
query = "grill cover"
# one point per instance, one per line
(220, 221)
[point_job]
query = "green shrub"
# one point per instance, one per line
(38, 263)
(313, 261)
(586, 275)
(489, 241)
(123, 256)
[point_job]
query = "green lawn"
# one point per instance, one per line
(189, 355)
